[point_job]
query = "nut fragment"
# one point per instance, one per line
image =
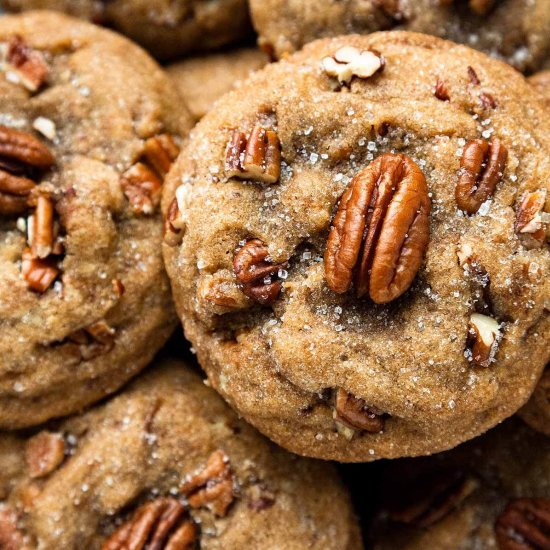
(42, 231)
(256, 156)
(441, 91)
(524, 525)
(211, 486)
(255, 273)
(162, 524)
(160, 152)
(39, 274)
(381, 230)
(44, 452)
(355, 413)
(172, 232)
(481, 169)
(28, 64)
(531, 220)
(10, 536)
(92, 341)
(142, 187)
(483, 338)
(349, 61)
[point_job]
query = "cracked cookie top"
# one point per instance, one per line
(166, 464)
(89, 127)
(357, 242)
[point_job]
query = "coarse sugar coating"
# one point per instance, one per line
(516, 31)
(88, 127)
(168, 459)
(453, 342)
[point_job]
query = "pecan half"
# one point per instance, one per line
(27, 63)
(10, 536)
(531, 220)
(380, 231)
(256, 274)
(256, 156)
(142, 187)
(23, 147)
(355, 413)
(483, 339)
(44, 452)
(349, 61)
(524, 525)
(481, 169)
(162, 524)
(160, 152)
(39, 274)
(211, 486)
(426, 503)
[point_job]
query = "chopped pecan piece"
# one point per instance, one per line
(10, 536)
(172, 232)
(42, 231)
(142, 187)
(162, 524)
(429, 502)
(483, 339)
(355, 413)
(94, 340)
(160, 152)
(381, 230)
(531, 218)
(27, 63)
(44, 452)
(349, 61)
(524, 525)
(260, 497)
(481, 169)
(441, 91)
(38, 273)
(211, 486)
(255, 273)
(472, 75)
(256, 156)
(487, 100)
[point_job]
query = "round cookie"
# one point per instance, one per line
(202, 80)
(169, 445)
(166, 28)
(493, 492)
(514, 30)
(445, 331)
(89, 125)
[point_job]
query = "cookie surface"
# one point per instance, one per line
(493, 492)
(165, 28)
(318, 369)
(84, 300)
(514, 30)
(170, 443)
(202, 80)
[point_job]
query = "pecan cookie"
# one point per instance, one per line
(357, 249)
(166, 464)
(89, 126)
(514, 30)
(202, 80)
(493, 492)
(166, 28)
(541, 81)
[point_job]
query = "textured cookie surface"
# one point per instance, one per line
(88, 125)
(325, 373)
(514, 30)
(166, 28)
(202, 80)
(493, 492)
(167, 443)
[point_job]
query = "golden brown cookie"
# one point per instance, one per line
(537, 411)
(202, 80)
(166, 28)
(492, 493)
(168, 461)
(541, 81)
(89, 126)
(357, 249)
(514, 30)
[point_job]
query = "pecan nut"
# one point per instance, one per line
(524, 525)
(441, 91)
(24, 148)
(28, 64)
(256, 274)
(531, 220)
(481, 169)
(92, 341)
(160, 152)
(483, 339)
(256, 156)
(44, 452)
(39, 274)
(11, 537)
(211, 486)
(355, 413)
(349, 61)
(380, 231)
(162, 524)
(142, 186)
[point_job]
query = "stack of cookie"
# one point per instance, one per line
(352, 225)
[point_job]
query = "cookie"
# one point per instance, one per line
(493, 492)
(541, 81)
(166, 28)
(89, 125)
(202, 80)
(350, 335)
(514, 30)
(537, 411)
(169, 460)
